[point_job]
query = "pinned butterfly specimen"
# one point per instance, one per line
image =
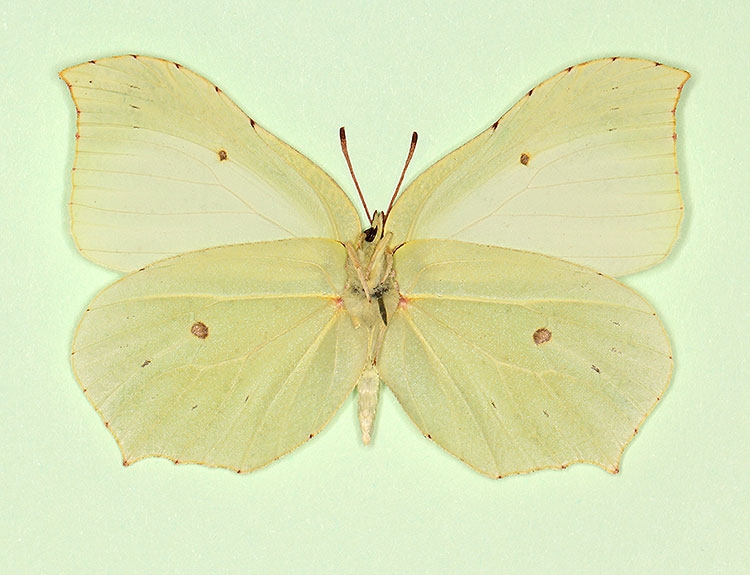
(255, 299)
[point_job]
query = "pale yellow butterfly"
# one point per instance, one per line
(483, 299)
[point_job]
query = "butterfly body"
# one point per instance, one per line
(485, 299)
(370, 296)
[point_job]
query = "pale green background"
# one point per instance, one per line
(402, 505)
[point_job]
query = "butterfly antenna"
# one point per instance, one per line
(342, 137)
(412, 147)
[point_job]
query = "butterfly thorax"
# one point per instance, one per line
(371, 297)
(371, 293)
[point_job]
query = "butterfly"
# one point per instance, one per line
(483, 297)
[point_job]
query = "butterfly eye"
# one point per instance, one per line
(370, 234)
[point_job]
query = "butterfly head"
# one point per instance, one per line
(374, 233)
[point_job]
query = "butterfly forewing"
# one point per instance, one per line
(166, 163)
(582, 168)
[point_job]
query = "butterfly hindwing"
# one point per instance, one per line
(514, 361)
(229, 356)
